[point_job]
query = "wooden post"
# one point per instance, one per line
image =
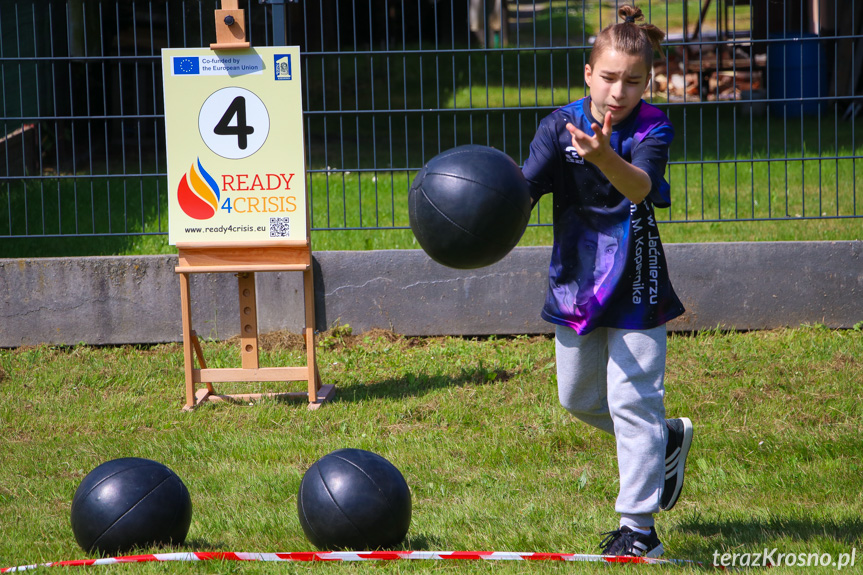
(314, 378)
(248, 320)
(244, 261)
(189, 337)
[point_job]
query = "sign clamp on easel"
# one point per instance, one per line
(230, 27)
(245, 259)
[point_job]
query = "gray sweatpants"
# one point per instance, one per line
(613, 379)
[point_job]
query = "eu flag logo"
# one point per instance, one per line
(186, 66)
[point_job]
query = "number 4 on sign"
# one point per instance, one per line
(239, 128)
(234, 122)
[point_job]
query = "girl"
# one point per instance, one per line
(603, 158)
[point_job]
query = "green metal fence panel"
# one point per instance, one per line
(765, 98)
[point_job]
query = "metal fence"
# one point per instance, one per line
(764, 95)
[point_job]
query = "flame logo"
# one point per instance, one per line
(198, 193)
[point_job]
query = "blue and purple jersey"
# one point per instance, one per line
(608, 266)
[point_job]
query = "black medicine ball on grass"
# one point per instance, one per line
(130, 502)
(469, 206)
(354, 499)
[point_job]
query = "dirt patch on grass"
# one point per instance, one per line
(335, 338)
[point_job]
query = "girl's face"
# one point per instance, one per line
(617, 82)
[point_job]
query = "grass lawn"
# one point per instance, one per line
(493, 462)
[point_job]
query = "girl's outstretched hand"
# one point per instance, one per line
(593, 148)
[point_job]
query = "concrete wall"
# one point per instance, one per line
(117, 300)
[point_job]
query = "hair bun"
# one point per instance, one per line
(630, 14)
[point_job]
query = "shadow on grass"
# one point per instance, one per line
(418, 385)
(203, 545)
(421, 542)
(412, 385)
(756, 534)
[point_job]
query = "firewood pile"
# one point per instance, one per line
(703, 76)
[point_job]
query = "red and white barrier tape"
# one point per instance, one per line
(353, 556)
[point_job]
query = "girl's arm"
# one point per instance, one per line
(629, 180)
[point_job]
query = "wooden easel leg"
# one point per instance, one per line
(318, 393)
(199, 353)
(309, 332)
(188, 352)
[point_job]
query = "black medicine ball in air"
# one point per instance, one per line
(469, 206)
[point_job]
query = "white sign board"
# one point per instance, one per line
(236, 161)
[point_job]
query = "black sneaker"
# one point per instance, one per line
(629, 543)
(676, 450)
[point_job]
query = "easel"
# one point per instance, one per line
(244, 260)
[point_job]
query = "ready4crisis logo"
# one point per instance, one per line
(200, 196)
(198, 193)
